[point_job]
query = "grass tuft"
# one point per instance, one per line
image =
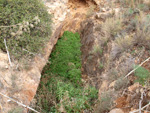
(111, 27)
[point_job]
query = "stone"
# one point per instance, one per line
(103, 9)
(103, 88)
(117, 11)
(148, 93)
(104, 15)
(98, 2)
(112, 84)
(116, 110)
(133, 87)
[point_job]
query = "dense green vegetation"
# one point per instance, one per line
(65, 60)
(62, 87)
(26, 26)
(143, 75)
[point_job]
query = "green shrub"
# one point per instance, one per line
(101, 65)
(66, 59)
(128, 12)
(74, 99)
(57, 93)
(142, 74)
(26, 26)
(97, 50)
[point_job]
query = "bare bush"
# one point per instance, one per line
(106, 102)
(125, 42)
(112, 26)
(121, 83)
(142, 34)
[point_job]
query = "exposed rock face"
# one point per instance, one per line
(98, 59)
(90, 39)
(77, 12)
(21, 85)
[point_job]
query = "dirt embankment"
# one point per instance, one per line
(78, 10)
(111, 48)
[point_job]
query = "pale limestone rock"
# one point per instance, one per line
(133, 87)
(103, 88)
(98, 2)
(116, 110)
(112, 84)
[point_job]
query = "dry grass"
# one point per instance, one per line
(97, 49)
(142, 34)
(143, 5)
(105, 103)
(131, 3)
(125, 42)
(113, 75)
(121, 83)
(90, 11)
(111, 27)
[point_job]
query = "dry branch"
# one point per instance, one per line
(140, 102)
(7, 52)
(19, 103)
(137, 67)
(140, 109)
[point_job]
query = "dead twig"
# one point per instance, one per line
(141, 108)
(7, 52)
(137, 67)
(9, 26)
(140, 102)
(29, 52)
(19, 103)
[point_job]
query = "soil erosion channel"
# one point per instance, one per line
(62, 88)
